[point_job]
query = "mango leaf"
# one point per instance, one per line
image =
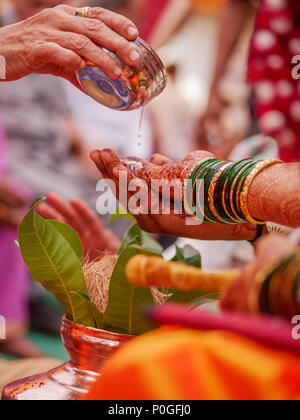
(70, 235)
(193, 297)
(122, 215)
(98, 316)
(123, 313)
(188, 255)
(136, 236)
(53, 262)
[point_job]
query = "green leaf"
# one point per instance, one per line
(188, 255)
(70, 235)
(98, 316)
(53, 262)
(123, 313)
(122, 214)
(193, 298)
(136, 236)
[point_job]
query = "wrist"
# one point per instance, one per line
(258, 198)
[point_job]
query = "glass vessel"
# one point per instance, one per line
(87, 348)
(137, 86)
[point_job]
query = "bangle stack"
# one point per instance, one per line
(277, 291)
(226, 188)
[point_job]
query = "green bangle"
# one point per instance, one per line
(200, 166)
(206, 175)
(199, 175)
(219, 195)
(229, 193)
(189, 189)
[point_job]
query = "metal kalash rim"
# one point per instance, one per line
(157, 59)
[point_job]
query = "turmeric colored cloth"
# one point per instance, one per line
(208, 5)
(181, 364)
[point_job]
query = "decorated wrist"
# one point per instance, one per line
(218, 192)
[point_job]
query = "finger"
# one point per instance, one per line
(96, 158)
(85, 48)
(118, 23)
(49, 213)
(87, 215)
(52, 53)
(104, 36)
(66, 211)
(119, 173)
(10, 197)
(160, 160)
(110, 160)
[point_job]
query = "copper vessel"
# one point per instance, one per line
(87, 348)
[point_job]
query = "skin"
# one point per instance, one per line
(95, 238)
(55, 41)
(10, 204)
(273, 195)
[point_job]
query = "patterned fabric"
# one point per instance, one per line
(191, 365)
(275, 45)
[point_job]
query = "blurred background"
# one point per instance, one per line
(49, 128)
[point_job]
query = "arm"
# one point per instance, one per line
(270, 198)
(172, 18)
(275, 195)
(233, 18)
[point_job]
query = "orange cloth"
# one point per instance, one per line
(208, 5)
(192, 365)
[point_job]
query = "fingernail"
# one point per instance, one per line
(132, 31)
(82, 64)
(134, 55)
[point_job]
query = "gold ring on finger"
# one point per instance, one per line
(83, 12)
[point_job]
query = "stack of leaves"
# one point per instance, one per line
(97, 294)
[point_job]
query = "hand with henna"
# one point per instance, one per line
(134, 172)
(95, 238)
(270, 251)
(274, 195)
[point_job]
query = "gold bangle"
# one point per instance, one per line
(231, 196)
(244, 193)
(211, 192)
